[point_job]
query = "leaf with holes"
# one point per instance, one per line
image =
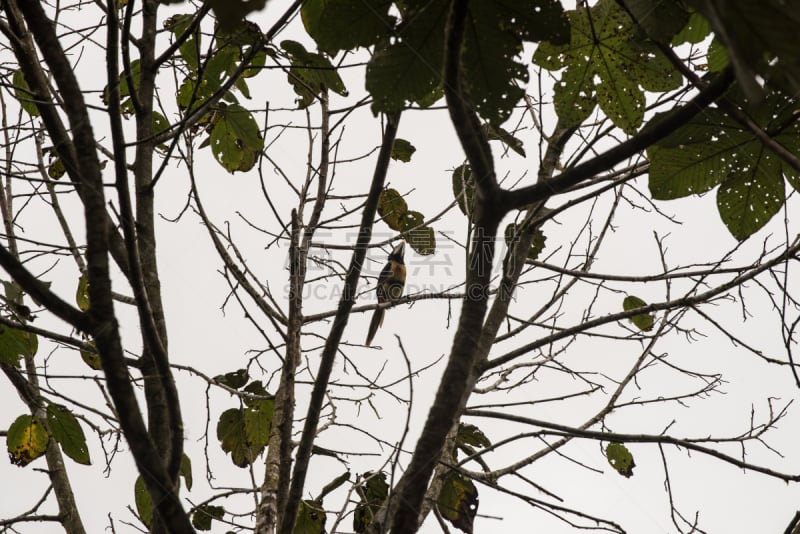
(607, 62)
(235, 139)
(233, 436)
(409, 69)
(458, 501)
(712, 149)
(26, 440)
(620, 458)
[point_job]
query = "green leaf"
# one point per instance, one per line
(409, 69)
(68, 433)
(373, 492)
(232, 434)
(464, 189)
(234, 379)
(392, 208)
(310, 518)
(204, 515)
(620, 458)
(746, 202)
(23, 94)
(144, 504)
(26, 440)
(235, 139)
(186, 471)
(190, 48)
(12, 290)
(345, 25)
(15, 343)
(717, 56)
(257, 422)
(760, 37)
(92, 359)
(643, 321)
(713, 149)
(607, 62)
(82, 293)
(458, 501)
(695, 31)
(402, 150)
(310, 73)
(472, 435)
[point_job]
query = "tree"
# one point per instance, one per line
(261, 134)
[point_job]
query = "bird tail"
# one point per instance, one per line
(374, 324)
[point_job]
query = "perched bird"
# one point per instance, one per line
(390, 287)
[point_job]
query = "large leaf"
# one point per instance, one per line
(409, 69)
(608, 62)
(68, 433)
(712, 149)
(344, 25)
(26, 440)
(761, 40)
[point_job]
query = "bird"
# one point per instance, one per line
(390, 287)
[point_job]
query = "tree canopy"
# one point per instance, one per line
(198, 199)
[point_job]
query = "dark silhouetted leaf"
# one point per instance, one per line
(345, 25)
(472, 435)
(402, 150)
(373, 492)
(464, 189)
(310, 73)
(204, 515)
(234, 379)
